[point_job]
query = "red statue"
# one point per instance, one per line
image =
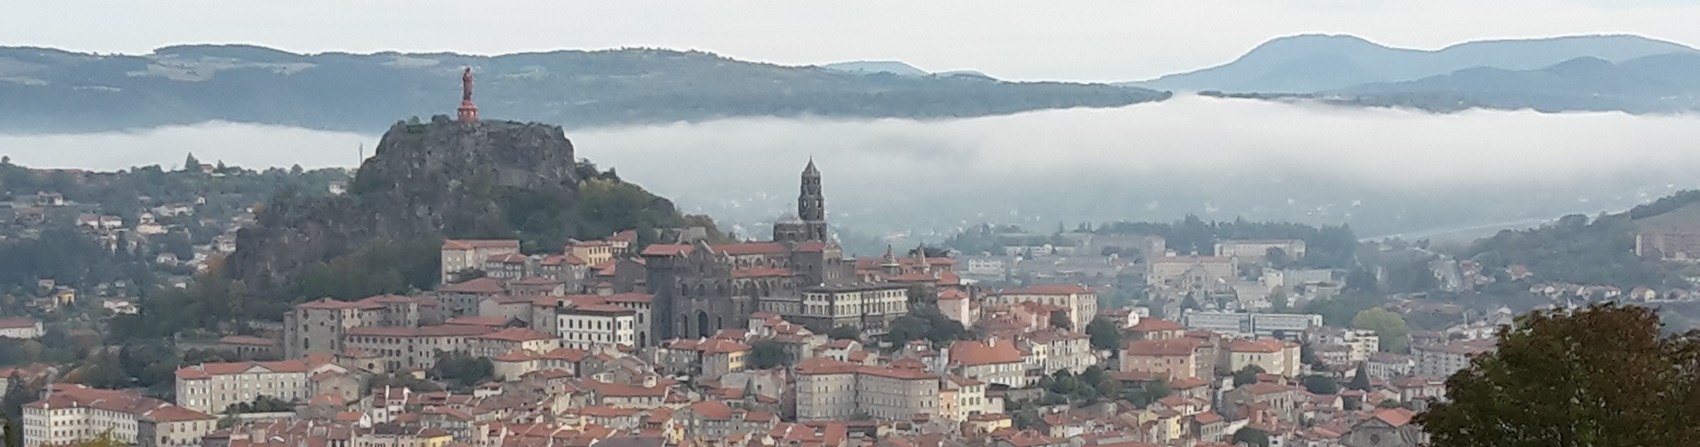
(468, 112)
(466, 85)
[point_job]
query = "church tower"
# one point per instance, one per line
(811, 206)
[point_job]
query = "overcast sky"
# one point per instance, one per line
(1095, 40)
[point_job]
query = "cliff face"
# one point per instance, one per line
(442, 178)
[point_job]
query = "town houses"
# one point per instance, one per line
(788, 341)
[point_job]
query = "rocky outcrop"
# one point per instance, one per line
(442, 178)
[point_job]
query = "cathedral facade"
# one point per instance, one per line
(702, 288)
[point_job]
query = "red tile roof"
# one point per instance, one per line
(18, 323)
(516, 334)
(1267, 345)
(207, 370)
(666, 250)
(1161, 348)
(468, 244)
(478, 321)
(1155, 324)
(1054, 289)
(896, 373)
(630, 298)
(457, 330)
(825, 366)
(976, 353)
(327, 303)
(510, 258)
(173, 413)
(475, 286)
(1396, 417)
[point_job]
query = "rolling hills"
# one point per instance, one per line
(49, 90)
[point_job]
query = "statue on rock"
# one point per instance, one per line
(468, 112)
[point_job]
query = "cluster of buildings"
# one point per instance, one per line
(769, 343)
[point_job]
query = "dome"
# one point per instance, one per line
(789, 218)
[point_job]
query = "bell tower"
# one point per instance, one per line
(811, 206)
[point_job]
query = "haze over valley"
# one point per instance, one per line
(1384, 171)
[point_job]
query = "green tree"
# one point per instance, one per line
(1389, 326)
(1247, 375)
(1605, 375)
(845, 333)
(1318, 384)
(191, 164)
(1251, 437)
(1104, 334)
(14, 430)
(767, 354)
(1060, 320)
(461, 370)
(1360, 381)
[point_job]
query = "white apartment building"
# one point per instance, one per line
(990, 361)
(20, 328)
(1256, 250)
(1056, 350)
(1252, 325)
(212, 387)
(1272, 356)
(589, 325)
(72, 413)
(829, 389)
(1363, 343)
(1444, 359)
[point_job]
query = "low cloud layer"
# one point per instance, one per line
(1385, 171)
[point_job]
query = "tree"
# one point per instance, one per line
(191, 164)
(1251, 437)
(1247, 375)
(460, 369)
(14, 430)
(1318, 384)
(845, 333)
(1060, 320)
(1603, 375)
(767, 354)
(1360, 381)
(1277, 257)
(1278, 300)
(1104, 334)
(1389, 326)
(1189, 303)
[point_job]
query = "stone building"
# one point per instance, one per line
(700, 289)
(72, 413)
(460, 255)
(868, 307)
(317, 327)
(211, 387)
(1080, 302)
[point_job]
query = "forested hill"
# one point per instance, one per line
(1577, 250)
(50, 90)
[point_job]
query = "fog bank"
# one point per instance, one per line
(1383, 170)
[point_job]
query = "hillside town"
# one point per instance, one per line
(785, 341)
(682, 336)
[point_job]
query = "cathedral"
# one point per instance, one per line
(801, 274)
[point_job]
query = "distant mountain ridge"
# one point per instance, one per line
(51, 90)
(1316, 63)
